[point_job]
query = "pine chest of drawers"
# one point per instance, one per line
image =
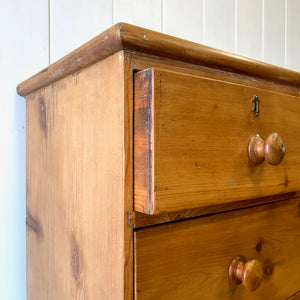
(162, 169)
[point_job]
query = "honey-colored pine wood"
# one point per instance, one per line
(191, 142)
(143, 142)
(141, 61)
(294, 297)
(79, 245)
(124, 36)
(80, 159)
(190, 259)
(38, 264)
(139, 220)
(128, 288)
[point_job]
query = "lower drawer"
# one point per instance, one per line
(190, 259)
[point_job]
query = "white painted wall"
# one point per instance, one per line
(36, 32)
(23, 51)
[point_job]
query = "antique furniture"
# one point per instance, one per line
(158, 168)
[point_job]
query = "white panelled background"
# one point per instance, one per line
(35, 33)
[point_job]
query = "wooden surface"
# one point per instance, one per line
(139, 220)
(190, 259)
(199, 131)
(128, 176)
(79, 245)
(38, 265)
(141, 61)
(294, 297)
(97, 49)
(143, 143)
(80, 215)
(123, 36)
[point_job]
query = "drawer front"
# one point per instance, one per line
(191, 137)
(190, 259)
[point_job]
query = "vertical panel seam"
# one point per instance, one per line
(263, 31)
(235, 26)
(162, 15)
(203, 22)
(285, 33)
(112, 12)
(49, 34)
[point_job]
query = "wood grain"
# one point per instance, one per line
(79, 242)
(80, 213)
(128, 177)
(97, 49)
(190, 259)
(200, 130)
(143, 141)
(139, 220)
(141, 61)
(123, 36)
(38, 277)
(294, 297)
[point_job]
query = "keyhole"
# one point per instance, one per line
(255, 108)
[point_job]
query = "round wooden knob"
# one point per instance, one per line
(272, 149)
(249, 273)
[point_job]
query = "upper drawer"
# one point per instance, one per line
(191, 137)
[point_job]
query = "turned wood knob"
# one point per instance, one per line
(249, 273)
(272, 149)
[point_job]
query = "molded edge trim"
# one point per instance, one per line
(124, 36)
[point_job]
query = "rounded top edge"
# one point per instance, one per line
(123, 36)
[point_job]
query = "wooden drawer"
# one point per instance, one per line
(190, 259)
(191, 138)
